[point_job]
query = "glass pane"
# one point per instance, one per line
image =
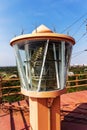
(20, 64)
(48, 81)
(68, 51)
(34, 59)
(37, 52)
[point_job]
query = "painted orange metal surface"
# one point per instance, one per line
(44, 109)
(42, 33)
(44, 115)
(43, 94)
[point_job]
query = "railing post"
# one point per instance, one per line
(0, 89)
(67, 83)
(86, 78)
(76, 80)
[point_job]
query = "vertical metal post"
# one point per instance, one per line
(26, 62)
(60, 64)
(43, 63)
(62, 72)
(56, 65)
(28, 69)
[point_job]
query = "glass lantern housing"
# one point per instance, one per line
(43, 62)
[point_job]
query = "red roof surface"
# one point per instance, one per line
(73, 113)
(14, 119)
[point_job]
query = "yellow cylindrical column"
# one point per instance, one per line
(44, 109)
(44, 113)
(39, 113)
(55, 114)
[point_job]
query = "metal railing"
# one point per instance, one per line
(76, 81)
(7, 87)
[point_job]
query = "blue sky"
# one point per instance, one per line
(18, 15)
